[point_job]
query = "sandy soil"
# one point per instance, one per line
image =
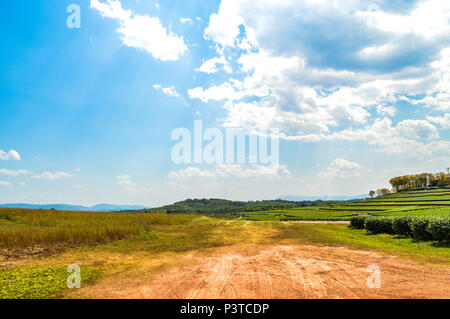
(280, 272)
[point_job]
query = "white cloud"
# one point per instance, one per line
(418, 129)
(78, 186)
(53, 175)
(142, 32)
(224, 26)
(5, 184)
(9, 172)
(125, 182)
(406, 139)
(324, 89)
(428, 19)
(211, 65)
(443, 121)
(186, 20)
(191, 172)
(436, 148)
(384, 110)
(10, 155)
(216, 93)
(342, 169)
(232, 171)
(170, 91)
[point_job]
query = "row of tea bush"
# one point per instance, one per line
(419, 228)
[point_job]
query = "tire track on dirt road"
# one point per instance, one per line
(302, 271)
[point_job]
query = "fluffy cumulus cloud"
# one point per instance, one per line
(329, 70)
(10, 155)
(342, 169)
(142, 32)
(443, 121)
(384, 110)
(418, 129)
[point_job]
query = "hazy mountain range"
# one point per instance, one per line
(297, 198)
(117, 208)
(95, 208)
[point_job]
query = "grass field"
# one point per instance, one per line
(105, 246)
(413, 203)
(37, 245)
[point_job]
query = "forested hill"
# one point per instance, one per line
(222, 206)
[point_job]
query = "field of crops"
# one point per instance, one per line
(435, 202)
(25, 228)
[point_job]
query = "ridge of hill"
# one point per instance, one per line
(78, 208)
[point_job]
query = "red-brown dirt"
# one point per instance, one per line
(281, 272)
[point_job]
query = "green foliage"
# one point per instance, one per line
(439, 228)
(379, 225)
(411, 181)
(38, 282)
(419, 229)
(358, 222)
(227, 208)
(402, 226)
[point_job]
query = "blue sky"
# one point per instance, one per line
(358, 89)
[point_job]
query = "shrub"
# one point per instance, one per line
(378, 225)
(419, 228)
(402, 226)
(358, 222)
(439, 228)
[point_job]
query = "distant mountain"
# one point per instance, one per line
(297, 198)
(96, 208)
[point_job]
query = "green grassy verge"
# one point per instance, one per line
(38, 282)
(360, 239)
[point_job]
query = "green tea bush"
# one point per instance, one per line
(378, 225)
(419, 228)
(358, 222)
(439, 228)
(402, 226)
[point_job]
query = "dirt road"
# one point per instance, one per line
(281, 272)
